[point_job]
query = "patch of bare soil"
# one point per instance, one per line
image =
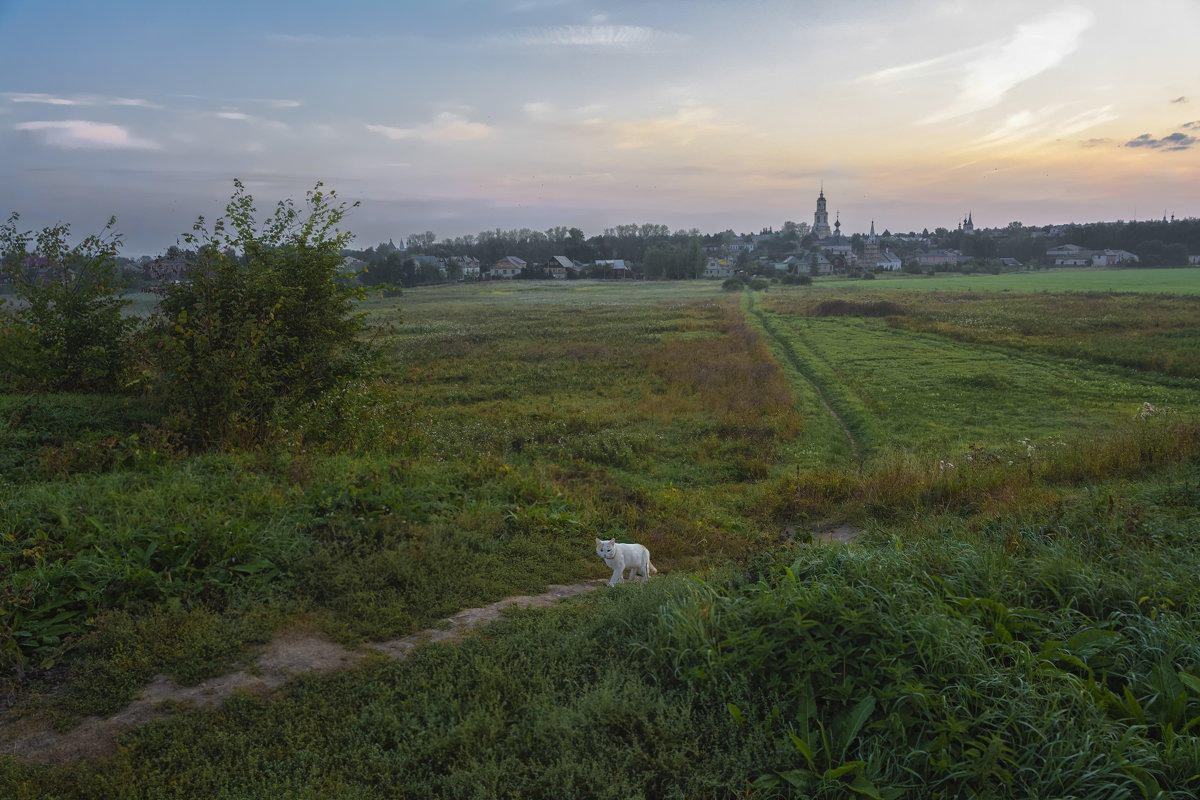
(835, 534)
(289, 654)
(823, 533)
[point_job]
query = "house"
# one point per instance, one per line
(742, 245)
(933, 258)
(469, 267)
(1009, 262)
(888, 261)
(1107, 258)
(561, 267)
(1069, 255)
(508, 267)
(174, 267)
(620, 267)
(717, 269)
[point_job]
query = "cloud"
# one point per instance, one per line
(38, 97)
(1048, 123)
(233, 115)
(1190, 125)
(78, 134)
(82, 100)
(592, 36)
(1172, 141)
(681, 128)
(985, 74)
(445, 127)
(1180, 99)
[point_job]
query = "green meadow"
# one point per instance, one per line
(1059, 279)
(1018, 616)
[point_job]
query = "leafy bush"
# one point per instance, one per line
(264, 323)
(801, 280)
(68, 333)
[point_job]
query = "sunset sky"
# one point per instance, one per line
(462, 115)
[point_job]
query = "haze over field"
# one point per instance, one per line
(464, 115)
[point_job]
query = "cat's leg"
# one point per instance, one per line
(617, 576)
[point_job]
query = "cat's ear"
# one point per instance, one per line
(598, 541)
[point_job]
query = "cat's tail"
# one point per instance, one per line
(653, 569)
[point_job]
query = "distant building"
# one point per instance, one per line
(469, 265)
(888, 261)
(717, 269)
(1107, 258)
(174, 267)
(871, 251)
(1072, 255)
(507, 268)
(933, 258)
(742, 244)
(620, 267)
(820, 227)
(561, 267)
(1069, 255)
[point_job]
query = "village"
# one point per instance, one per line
(796, 252)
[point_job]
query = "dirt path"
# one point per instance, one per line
(290, 653)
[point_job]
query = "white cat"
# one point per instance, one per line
(621, 557)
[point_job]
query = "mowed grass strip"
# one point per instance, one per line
(1182, 281)
(932, 395)
(1149, 332)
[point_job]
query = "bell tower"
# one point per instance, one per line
(820, 226)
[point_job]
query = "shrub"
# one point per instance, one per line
(264, 323)
(68, 333)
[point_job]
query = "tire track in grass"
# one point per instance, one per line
(783, 346)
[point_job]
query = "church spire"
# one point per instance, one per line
(820, 226)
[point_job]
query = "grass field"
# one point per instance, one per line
(1060, 279)
(1018, 618)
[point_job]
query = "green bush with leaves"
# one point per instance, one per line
(67, 333)
(264, 323)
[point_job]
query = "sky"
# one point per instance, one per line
(457, 116)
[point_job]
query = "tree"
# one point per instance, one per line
(70, 334)
(1175, 255)
(420, 242)
(263, 325)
